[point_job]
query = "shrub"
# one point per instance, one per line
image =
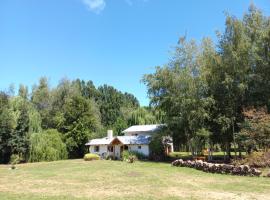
(157, 148)
(47, 146)
(256, 159)
(129, 156)
(110, 157)
(125, 155)
(14, 160)
(139, 155)
(91, 156)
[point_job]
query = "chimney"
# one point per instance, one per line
(110, 134)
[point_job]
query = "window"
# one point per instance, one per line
(96, 149)
(139, 147)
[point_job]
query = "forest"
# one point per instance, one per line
(210, 95)
(47, 124)
(217, 94)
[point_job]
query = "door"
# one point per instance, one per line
(117, 151)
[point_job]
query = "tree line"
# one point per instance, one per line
(55, 123)
(206, 90)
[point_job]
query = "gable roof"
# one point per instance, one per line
(99, 141)
(139, 140)
(144, 128)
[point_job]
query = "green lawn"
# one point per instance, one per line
(77, 179)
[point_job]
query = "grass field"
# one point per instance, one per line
(77, 179)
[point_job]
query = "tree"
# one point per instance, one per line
(41, 98)
(179, 91)
(110, 104)
(47, 146)
(142, 116)
(7, 125)
(19, 141)
(255, 132)
(206, 87)
(80, 121)
(23, 91)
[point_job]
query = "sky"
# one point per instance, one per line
(112, 42)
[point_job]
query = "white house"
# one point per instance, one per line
(136, 138)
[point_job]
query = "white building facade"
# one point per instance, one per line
(135, 139)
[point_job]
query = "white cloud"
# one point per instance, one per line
(98, 5)
(130, 2)
(95, 5)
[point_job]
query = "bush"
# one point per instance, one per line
(129, 156)
(47, 146)
(91, 156)
(139, 155)
(157, 148)
(256, 159)
(14, 160)
(111, 157)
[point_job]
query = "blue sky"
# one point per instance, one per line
(106, 41)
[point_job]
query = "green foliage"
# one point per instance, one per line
(80, 121)
(47, 146)
(129, 156)
(15, 159)
(200, 94)
(157, 148)
(112, 103)
(204, 87)
(7, 126)
(139, 155)
(142, 116)
(76, 109)
(91, 156)
(41, 98)
(19, 141)
(23, 91)
(178, 90)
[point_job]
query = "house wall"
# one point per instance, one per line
(144, 149)
(102, 149)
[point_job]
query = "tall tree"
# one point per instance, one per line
(81, 121)
(23, 91)
(19, 141)
(179, 91)
(41, 98)
(7, 125)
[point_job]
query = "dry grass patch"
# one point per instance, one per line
(120, 180)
